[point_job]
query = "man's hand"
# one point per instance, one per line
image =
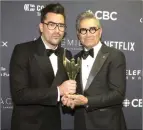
(74, 100)
(67, 87)
(67, 101)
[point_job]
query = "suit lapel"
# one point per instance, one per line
(44, 61)
(97, 65)
(45, 65)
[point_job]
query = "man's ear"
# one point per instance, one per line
(41, 27)
(77, 33)
(100, 32)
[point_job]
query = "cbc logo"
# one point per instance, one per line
(133, 103)
(106, 15)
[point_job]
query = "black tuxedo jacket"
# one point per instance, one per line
(34, 87)
(105, 90)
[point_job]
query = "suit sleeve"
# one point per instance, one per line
(22, 92)
(116, 84)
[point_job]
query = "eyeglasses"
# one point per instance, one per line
(53, 25)
(92, 30)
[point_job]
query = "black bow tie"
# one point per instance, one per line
(50, 51)
(85, 54)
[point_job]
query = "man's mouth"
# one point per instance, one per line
(56, 37)
(89, 39)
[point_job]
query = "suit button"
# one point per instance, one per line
(87, 106)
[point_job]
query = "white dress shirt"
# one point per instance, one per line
(54, 61)
(88, 63)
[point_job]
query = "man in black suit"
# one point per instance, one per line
(101, 83)
(37, 76)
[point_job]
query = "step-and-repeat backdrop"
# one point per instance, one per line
(122, 29)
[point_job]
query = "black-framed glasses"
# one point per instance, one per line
(92, 30)
(52, 25)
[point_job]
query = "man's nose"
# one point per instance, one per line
(57, 28)
(88, 33)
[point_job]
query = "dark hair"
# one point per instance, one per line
(53, 8)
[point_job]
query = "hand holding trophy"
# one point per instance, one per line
(72, 68)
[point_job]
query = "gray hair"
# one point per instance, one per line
(86, 15)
